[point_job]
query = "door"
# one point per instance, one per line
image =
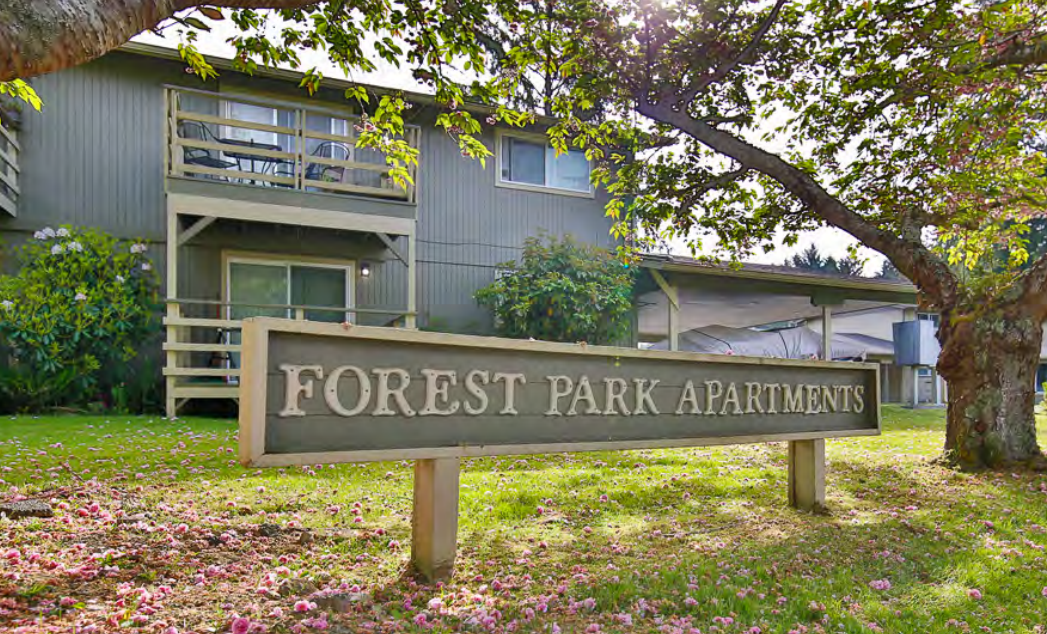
(320, 287)
(266, 288)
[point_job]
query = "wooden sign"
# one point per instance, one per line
(320, 393)
(317, 392)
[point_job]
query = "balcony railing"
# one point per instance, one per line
(9, 191)
(270, 143)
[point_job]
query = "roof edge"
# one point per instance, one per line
(283, 74)
(694, 267)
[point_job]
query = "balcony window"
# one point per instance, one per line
(533, 163)
(251, 113)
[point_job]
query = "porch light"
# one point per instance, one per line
(365, 269)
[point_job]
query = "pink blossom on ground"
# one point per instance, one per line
(974, 594)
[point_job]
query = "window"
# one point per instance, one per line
(328, 148)
(250, 113)
(931, 317)
(533, 163)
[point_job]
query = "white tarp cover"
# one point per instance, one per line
(789, 343)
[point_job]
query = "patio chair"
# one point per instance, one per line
(328, 149)
(199, 156)
(319, 171)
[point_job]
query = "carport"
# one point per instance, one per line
(676, 295)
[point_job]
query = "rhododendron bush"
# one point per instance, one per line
(81, 305)
(561, 290)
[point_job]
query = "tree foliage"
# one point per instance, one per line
(561, 290)
(912, 126)
(811, 259)
(19, 92)
(889, 272)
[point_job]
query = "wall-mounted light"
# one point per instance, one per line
(365, 269)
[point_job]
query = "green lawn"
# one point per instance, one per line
(157, 527)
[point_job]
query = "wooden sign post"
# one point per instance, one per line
(314, 392)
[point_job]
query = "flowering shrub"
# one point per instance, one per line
(76, 310)
(562, 291)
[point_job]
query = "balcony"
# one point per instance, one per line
(241, 140)
(8, 171)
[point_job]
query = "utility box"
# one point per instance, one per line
(915, 343)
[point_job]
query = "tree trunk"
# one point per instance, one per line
(42, 36)
(989, 359)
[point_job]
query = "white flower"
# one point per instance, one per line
(57, 249)
(147, 267)
(137, 247)
(62, 232)
(39, 235)
(80, 297)
(120, 279)
(7, 304)
(48, 232)
(76, 246)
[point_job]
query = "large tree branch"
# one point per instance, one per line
(695, 192)
(723, 70)
(42, 36)
(1030, 53)
(931, 275)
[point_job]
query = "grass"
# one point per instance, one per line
(157, 527)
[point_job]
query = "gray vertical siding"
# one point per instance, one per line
(95, 158)
(95, 155)
(467, 226)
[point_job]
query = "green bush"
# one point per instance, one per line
(77, 311)
(562, 291)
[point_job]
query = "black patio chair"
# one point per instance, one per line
(327, 149)
(200, 156)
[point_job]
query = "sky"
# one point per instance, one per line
(829, 241)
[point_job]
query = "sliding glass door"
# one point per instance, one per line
(273, 288)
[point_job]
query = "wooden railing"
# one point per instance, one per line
(217, 375)
(207, 140)
(9, 191)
